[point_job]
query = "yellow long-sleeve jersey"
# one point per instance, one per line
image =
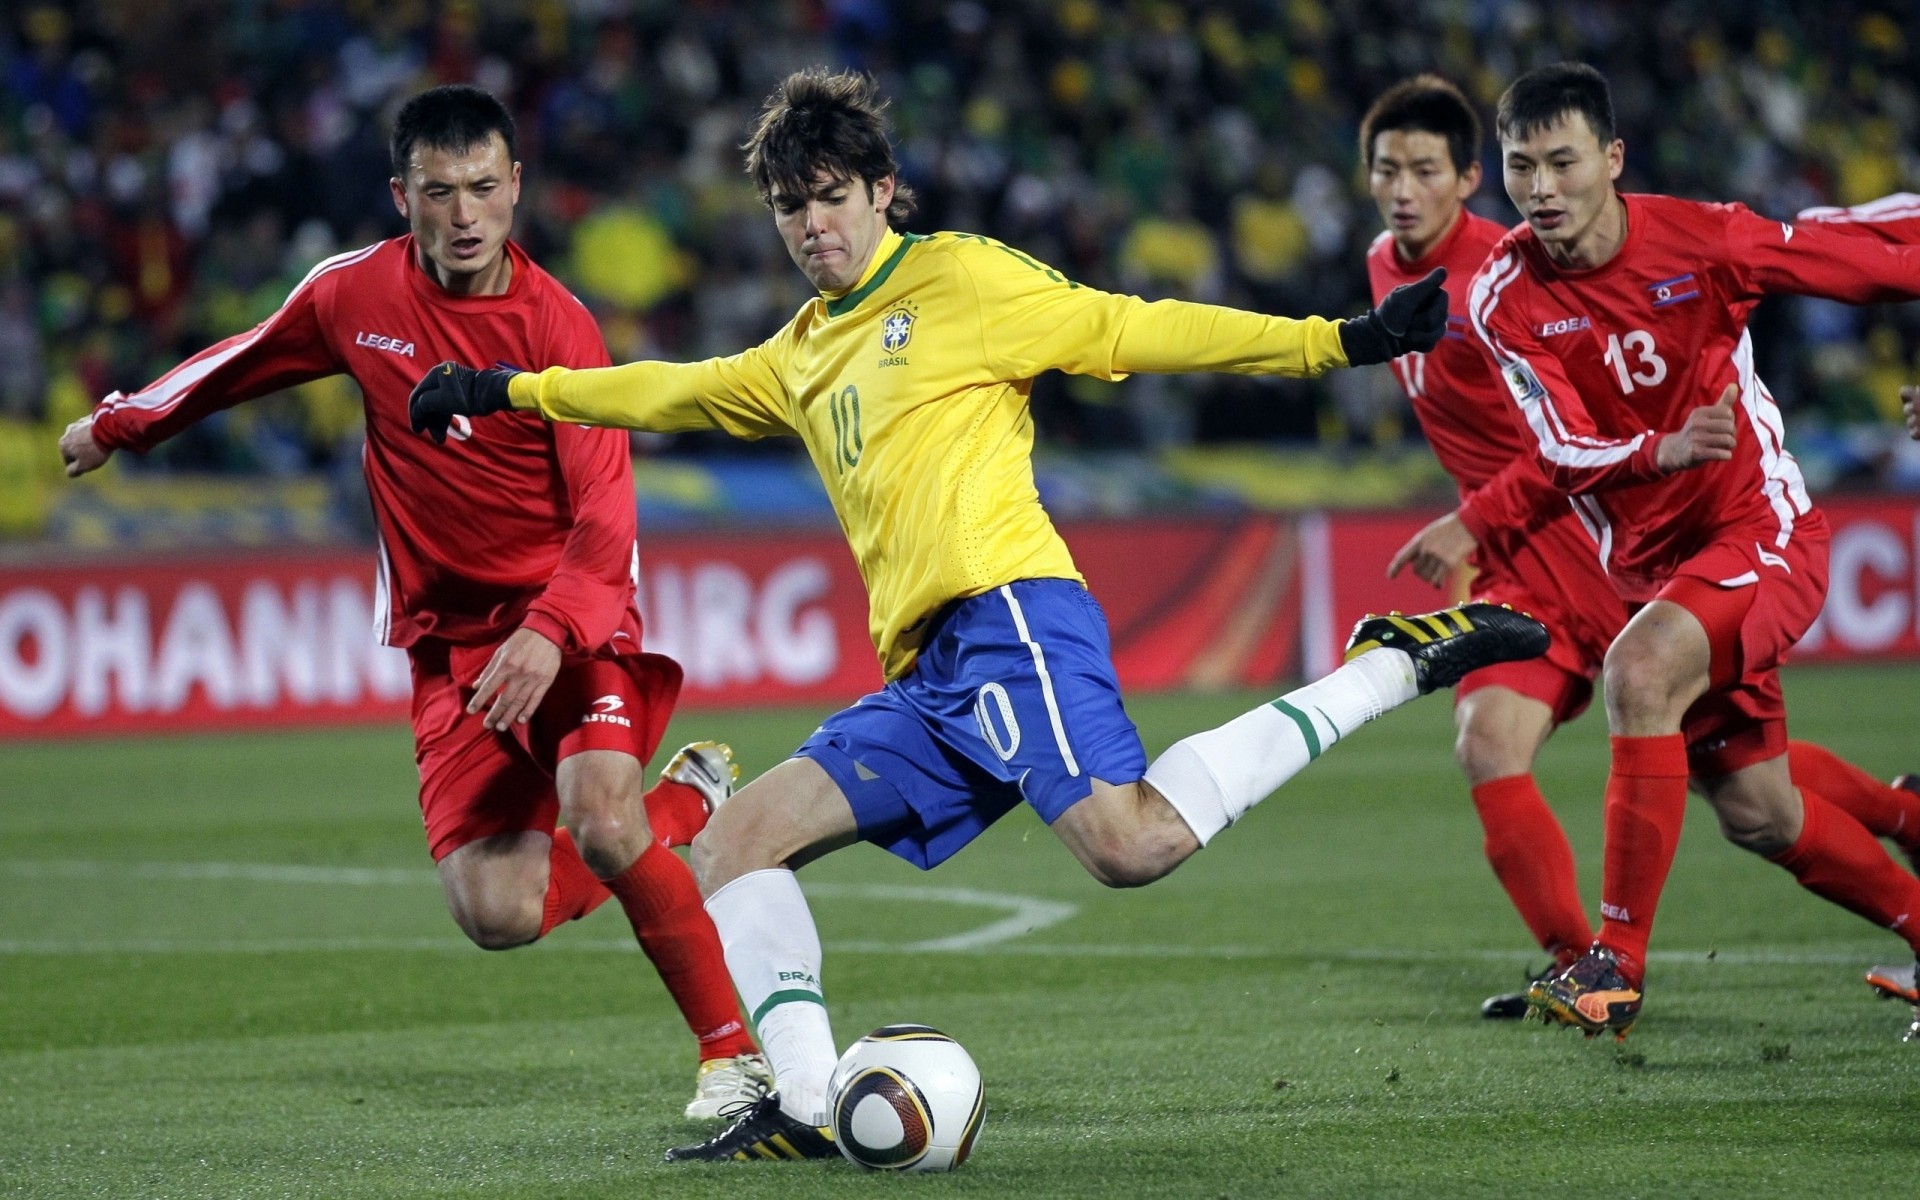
(910, 393)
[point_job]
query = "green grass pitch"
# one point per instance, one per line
(225, 971)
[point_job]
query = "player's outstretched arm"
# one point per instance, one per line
(1413, 317)
(742, 394)
(1707, 436)
(451, 390)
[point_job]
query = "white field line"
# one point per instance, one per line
(188, 872)
(1025, 914)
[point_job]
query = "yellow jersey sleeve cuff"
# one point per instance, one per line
(523, 390)
(1328, 344)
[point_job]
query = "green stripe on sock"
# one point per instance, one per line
(792, 995)
(1330, 725)
(1306, 727)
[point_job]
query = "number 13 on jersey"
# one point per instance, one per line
(1647, 369)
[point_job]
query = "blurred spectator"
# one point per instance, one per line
(167, 174)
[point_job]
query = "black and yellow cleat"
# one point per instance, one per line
(760, 1130)
(1592, 995)
(1447, 644)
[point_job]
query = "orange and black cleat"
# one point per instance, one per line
(1592, 995)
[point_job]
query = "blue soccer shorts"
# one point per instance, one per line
(1013, 698)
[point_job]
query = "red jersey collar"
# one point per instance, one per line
(1636, 225)
(1436, 254)
(426, 289)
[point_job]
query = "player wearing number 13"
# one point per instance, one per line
(907, 381)
(1619, 326)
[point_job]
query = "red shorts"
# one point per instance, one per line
(1756, 599)
(475, 782)
(1554, 574)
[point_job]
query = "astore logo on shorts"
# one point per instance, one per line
(605, 708)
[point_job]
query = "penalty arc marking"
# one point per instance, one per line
(1024, 914)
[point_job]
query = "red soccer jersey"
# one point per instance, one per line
(1458, 396)
(1894, 218)
(1600, 364)
(1533, 552)
(513, 521)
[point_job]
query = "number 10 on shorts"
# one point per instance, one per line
(992, 703)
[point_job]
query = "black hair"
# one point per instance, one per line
(818, 122)
(1545, 95)
(1424, 104)
(455, 117)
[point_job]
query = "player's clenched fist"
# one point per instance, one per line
(1909, 401)
(1412, 317)
(80, 453)
(1708, 436)
(451, 390)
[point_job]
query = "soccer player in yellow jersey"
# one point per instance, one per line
(907, 380)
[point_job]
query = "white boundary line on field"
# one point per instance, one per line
(1025, 915)
(197, 872)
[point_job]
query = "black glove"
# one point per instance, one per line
(450, 390)
(1412, 317)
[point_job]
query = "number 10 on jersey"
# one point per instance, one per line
(847, 443)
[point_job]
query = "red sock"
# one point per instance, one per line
(1836, 859)
(1530, 856)
(675, 812)
(572, 891)
(1886, 811)
(673, 927)
(1646, 805)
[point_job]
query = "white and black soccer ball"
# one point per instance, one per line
(906, 1098)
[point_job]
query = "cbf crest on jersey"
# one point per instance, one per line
(896, 329)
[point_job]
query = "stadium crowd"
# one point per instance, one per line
(168, 172)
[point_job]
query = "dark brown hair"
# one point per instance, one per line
(1424, 104)
(818, 122)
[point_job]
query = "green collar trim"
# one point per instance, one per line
(852, 299)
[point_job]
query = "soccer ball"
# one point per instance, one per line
(906, 1098)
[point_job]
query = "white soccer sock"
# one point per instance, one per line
(773, 953)
(1213, 778)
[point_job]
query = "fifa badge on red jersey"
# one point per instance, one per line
(1522, 382)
